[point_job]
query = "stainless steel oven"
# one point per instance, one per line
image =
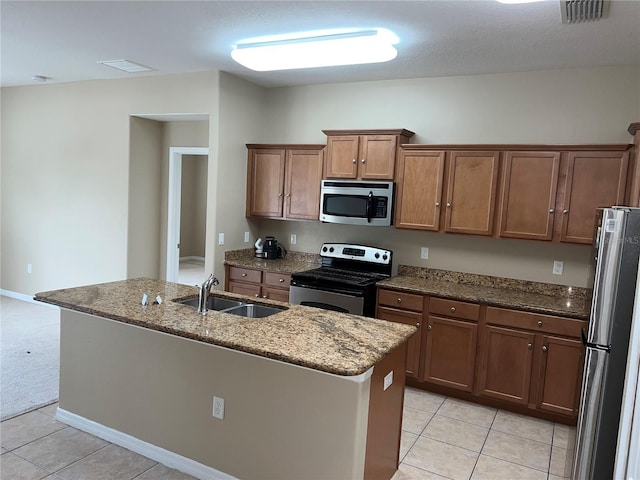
(346, 281)
(356, 202)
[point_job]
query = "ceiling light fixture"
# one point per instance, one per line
(317, 49)
(126, 66)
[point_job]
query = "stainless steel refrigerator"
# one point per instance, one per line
(615, 268)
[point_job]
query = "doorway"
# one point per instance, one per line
(186, 214)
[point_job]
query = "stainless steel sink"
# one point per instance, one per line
(213, 303)
(251, 310)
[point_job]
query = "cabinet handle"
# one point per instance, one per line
(288, 195)
(539, 323)
(354, 160)
(429, 327)
(551, 210)
(264, 296)
(529, 346)
(544, 348)
(418, 324)
(565, 211)
(279, 195)
(363, 161)
(453, 309)
(399, 300)
(448, 205)
(243, 275)
(437, 204)
(257, 295)
(281, 280)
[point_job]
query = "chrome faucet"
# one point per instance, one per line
(205, 290)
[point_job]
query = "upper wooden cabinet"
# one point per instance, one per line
(283, 181)
(529, 184)
(592, 180)
(363, 154)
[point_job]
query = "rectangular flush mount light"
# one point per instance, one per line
(126, 66)
(316, 49)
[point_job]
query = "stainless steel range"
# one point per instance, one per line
(346, 281)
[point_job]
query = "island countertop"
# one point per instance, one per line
(328, 341)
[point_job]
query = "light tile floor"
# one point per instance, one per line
(442, 438)
(191, 272)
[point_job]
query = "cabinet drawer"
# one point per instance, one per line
(535, 321)
(403, 300)
(281, 280)
(399, 316)
(245, 274)
(454, 308)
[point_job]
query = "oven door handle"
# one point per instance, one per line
(370, 207)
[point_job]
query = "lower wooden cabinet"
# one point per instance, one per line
(498, 356)
(257, 283)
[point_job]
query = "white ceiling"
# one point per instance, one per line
(64, 40)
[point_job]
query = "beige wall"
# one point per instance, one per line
(193, 206)
(65, 173)
(281, 421)
(560, 106)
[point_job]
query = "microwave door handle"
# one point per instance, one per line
(369, 207)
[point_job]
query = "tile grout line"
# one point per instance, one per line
(475, 465)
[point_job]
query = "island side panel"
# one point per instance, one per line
(385, 416)
(281, 421)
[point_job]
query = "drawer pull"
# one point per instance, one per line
(418, 324)
(530, 346)
(539, 323)
(257, 295)
(429, 327)
(565, 211)
(399, 300)
(281, 280)
(354, 160)
(363, 161)
(551, 210)
(243, 275)
(453, 309)
(437, 204)
(264, 296)
(544, 348)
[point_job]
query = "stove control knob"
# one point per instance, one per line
(332, 249)
(324, 249)
(384, 257)
(377, 255)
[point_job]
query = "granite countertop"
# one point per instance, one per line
(533, 297)
(293, 262)
(332, 342)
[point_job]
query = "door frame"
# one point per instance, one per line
(173, 207)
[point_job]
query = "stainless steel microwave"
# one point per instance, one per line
(356, 202)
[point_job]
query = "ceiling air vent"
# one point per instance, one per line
(576, 11)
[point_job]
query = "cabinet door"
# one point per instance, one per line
(247, 289)
(506, 364)
(302, 188)
(529, 194)
(450, 353)
(413, 345)
(377, 157)
(471, 192)
(342, 156)
(419, 189)
(594, 179)
(265, 182)
(560, 376)
(275, 293)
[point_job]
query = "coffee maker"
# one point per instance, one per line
(272, 250)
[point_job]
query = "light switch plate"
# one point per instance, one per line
(218, 407)
(246, 237)
(221, 239)
(558, 267)
(424, 253)
(388, 379)
(294, 239)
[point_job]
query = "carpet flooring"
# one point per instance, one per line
(29, 356)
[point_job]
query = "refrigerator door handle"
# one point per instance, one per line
(597, 346)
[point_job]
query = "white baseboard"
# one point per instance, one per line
(166, 457)
(25, 298)
(194, 258)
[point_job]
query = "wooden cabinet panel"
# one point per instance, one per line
(247, 289)
(342, 156)
(535, 321)
(450, 353)
(265, 178)
(528, 194)
(257, 283)
(245, 274)
(392, 298)
(593, 180)
(507, 356)
(560, 378)
(420, 178)
(276, 279)
(302, 186)
(454, 308)
(413, 345)
(377, 157)
(274, 293)
(471, 192)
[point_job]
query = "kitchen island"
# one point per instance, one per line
(304, 389)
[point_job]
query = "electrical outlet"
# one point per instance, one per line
(424, 253)
(558, 267)
(221, 239)
(218, 407)
(246, 237)
(388, 379)
(29, 269)
(294, 239)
